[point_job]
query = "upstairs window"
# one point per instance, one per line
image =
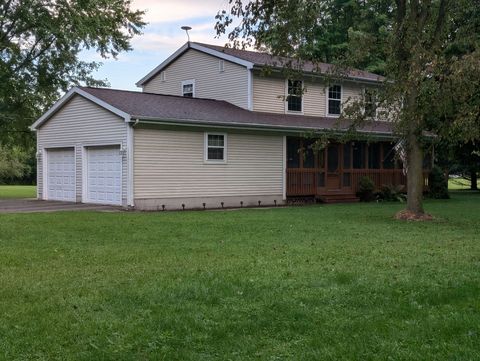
(163, 77)
(370, 103)
(294, 95)
(221, 66)
(215, 147)
(334, 100)
(188, 88)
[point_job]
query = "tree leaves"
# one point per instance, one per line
(40, 43)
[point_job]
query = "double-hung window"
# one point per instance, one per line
(334, 100)
(188, 88)
(215, 147)
(294, 95)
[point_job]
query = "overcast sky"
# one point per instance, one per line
(161, 37)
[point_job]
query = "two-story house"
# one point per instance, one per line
(210, 129)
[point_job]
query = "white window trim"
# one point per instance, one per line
(374, 117)
(286, 99)
(205, 149)
(327, 113)
(221, 66)
(187, 82)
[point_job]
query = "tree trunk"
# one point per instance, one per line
(414, 175)
(473, 180)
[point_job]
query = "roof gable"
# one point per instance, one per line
(195, 46)
(252, 59)
(69, 95)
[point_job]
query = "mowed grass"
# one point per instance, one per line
(9, 192)
(459, 184)
(337, 282)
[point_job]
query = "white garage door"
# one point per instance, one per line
(104, 175)
(61, 174)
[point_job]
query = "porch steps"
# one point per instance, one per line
(338, 198)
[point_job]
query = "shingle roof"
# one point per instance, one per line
(264, 59)
(178, 109)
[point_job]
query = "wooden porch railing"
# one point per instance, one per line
(312, 181)
(302, 182)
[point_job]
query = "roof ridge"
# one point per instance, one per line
(285, 58)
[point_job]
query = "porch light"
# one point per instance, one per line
(123, 151)
(38, 155)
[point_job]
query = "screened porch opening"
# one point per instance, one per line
(339, 167)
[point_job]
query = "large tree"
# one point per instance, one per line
(40, 44)
(428, 49)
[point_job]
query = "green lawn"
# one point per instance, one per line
(458, 184)
(17, 192)
(337, 282)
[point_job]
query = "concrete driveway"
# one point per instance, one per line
(35, 205)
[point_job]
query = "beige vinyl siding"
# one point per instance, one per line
(171, 164)
(268, 94)
(314, 99)
(230, 85)
(77, 124)
(351, 93)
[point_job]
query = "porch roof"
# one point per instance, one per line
(210, 112)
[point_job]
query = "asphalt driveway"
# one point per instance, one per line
(35, 205)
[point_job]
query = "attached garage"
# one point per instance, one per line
(104, 175)
(84, 151)
(61, 174)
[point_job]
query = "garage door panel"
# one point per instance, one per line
(61, 174)
(104, 176)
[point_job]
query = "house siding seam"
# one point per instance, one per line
(170, 164)
(230, 85)
(77, 124)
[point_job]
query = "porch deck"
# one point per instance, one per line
(316, 182)
(334, 172)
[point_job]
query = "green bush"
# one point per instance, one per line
(392, 193)
(365, 189)
(437, 184)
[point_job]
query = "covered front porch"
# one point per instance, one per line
(334, 173)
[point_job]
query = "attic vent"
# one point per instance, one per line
(221, 66)
(162, 76)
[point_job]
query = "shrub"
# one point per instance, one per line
(437, 184)
(392, 193)
(365, 189)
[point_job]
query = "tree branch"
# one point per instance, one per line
(440, 23)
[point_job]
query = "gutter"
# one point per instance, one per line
(241, 126)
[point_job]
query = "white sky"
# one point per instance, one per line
(161, 36)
